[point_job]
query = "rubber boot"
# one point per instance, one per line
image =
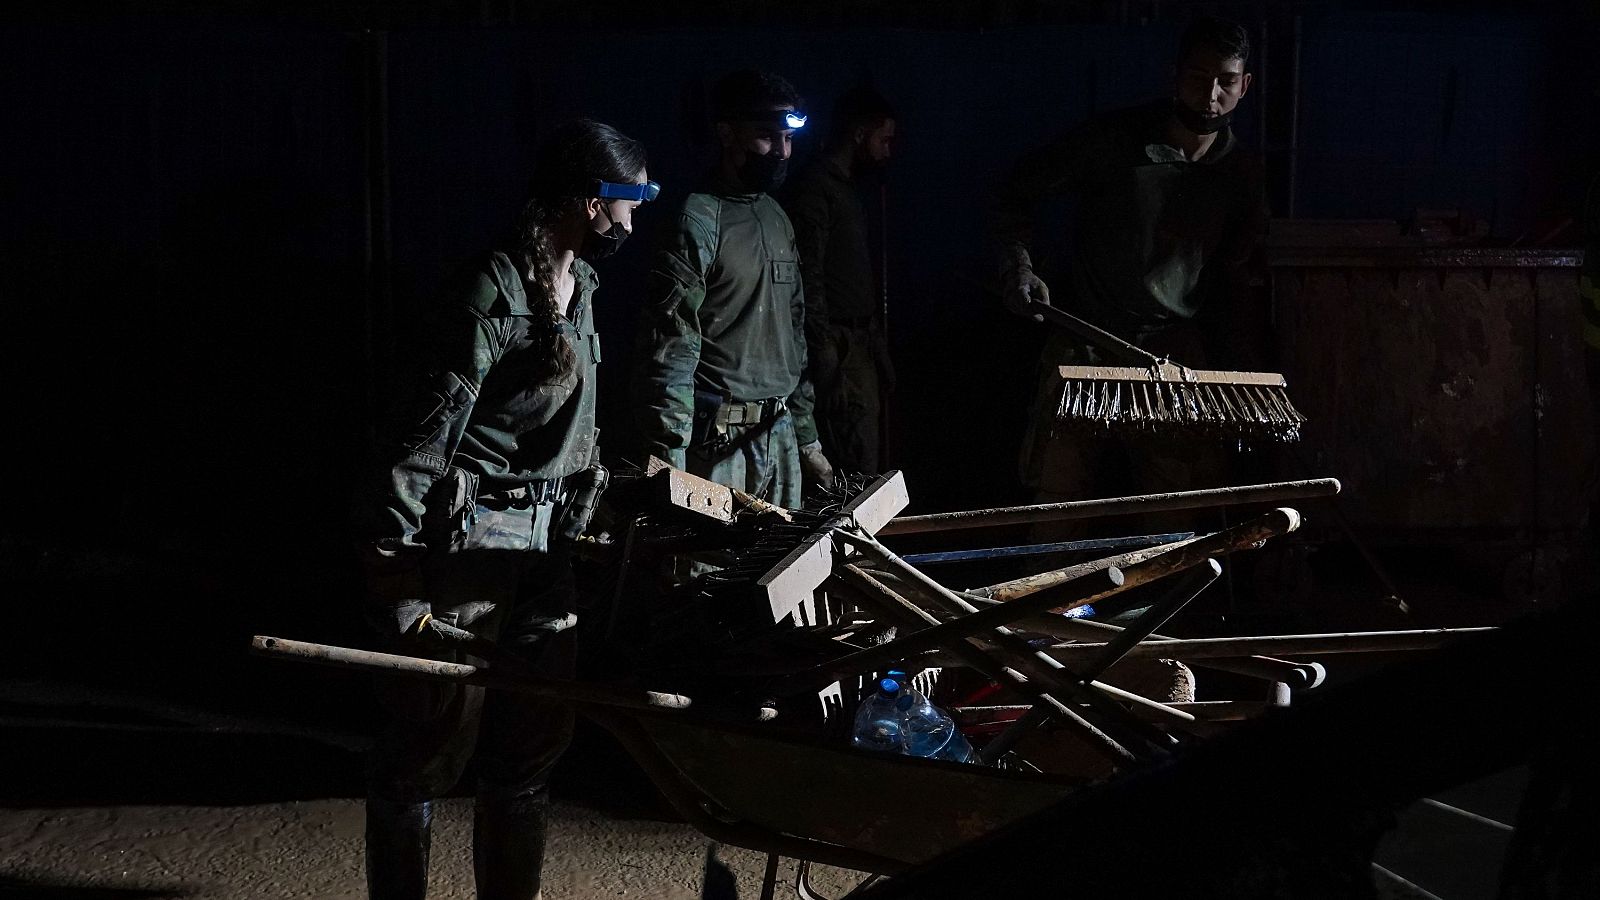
(397, 849)
(508, 835)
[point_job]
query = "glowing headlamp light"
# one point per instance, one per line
(641, 193)
(792, 119)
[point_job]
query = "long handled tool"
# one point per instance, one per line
(1157, 395)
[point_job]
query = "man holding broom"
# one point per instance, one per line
(1168, 207)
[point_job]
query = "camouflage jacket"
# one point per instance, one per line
(1153, 235)
(724, 315)
(481, 409)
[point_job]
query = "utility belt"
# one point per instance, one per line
(715, 414)
(526, 495)
(522, 517)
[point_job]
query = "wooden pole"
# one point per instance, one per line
(1278, 645)
(1140, 566)
(1016, 651)
(875, 594)
(462, 673)
(1274, 492)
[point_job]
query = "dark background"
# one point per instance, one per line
(216, 219)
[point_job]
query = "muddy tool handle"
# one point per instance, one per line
(1094, 334)
(429, 630)
(463, 673)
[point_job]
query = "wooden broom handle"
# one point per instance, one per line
(1094, 334)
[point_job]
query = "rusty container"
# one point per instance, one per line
(1444, 385)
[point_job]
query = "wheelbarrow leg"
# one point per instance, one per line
(803, 888)
(802, 881)
(769, 880)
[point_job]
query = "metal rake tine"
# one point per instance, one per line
(1280, 402)
(1203, 402)
(1263, 406)
(1266, 413)
(1228, 398)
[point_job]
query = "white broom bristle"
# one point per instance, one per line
(1197, 409)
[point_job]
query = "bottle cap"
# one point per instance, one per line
(889, 685)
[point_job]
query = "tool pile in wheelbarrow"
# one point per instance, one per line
(737, 640)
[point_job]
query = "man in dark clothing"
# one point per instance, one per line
(721, 381)
(850, 365)
(1168, 209)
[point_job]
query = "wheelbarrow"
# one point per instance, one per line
(741, 773)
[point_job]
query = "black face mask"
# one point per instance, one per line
(1199, 123)
(598, 245)
(763, 174)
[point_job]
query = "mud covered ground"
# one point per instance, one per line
(313, 849)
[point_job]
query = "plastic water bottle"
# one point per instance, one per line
(878, 721)
(925, 729)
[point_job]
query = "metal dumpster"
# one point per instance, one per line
(1444, 385)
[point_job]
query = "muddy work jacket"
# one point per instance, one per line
(724, 319)
(1154, 236)
(485, 421)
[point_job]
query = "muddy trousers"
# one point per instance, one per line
(526, 602)
(763, 460)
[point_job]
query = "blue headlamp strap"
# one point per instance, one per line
(642, 193)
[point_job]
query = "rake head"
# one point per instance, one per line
(1171, 400)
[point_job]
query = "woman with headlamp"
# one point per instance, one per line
(471, 521)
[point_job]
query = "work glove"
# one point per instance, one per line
(1019, 286)
(815, 466)
(397, 619)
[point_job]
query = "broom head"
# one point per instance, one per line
(1171, 400)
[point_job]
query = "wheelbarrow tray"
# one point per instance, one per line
(803, 797)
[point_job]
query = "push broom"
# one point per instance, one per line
(1159, 396)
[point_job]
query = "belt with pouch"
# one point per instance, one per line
(749, 412)
(526, 495)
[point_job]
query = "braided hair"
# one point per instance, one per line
(568, 163)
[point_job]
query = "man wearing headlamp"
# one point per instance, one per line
(721, 379)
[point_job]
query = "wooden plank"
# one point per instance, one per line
(1169, 374)
(877, 506)
(790, 586)
(692, 493)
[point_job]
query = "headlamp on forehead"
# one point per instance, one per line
(639, 193)
(792, 119)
